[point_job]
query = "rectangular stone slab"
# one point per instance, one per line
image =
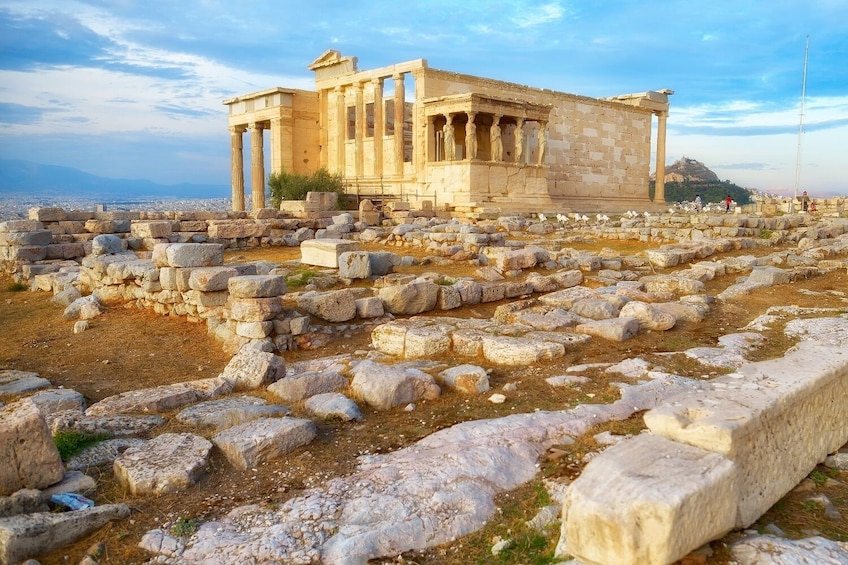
(325, 252)
(648, 500)
(775, 419)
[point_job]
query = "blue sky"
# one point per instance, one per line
(133, 89)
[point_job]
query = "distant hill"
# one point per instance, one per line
(686, 178)
(18, 176)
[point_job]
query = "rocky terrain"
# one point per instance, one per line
(435, 412)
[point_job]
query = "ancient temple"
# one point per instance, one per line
(452, 140)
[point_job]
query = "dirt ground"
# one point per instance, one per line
(127, 349)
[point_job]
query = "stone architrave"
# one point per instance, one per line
(29, 456)
(325, 252)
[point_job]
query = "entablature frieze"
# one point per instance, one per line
(478, 103)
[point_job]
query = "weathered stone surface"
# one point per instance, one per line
(333, 405)
(355, 265)
(615, 329)
(333, 306)
(410, 299)
(467, 379)
(191, 254)
(73, 481)
(167, 463)
(384, 387)
(516, 351)
(425, 340)
(106, 244)
(103, 453)
(19, 382)
(24, 501)
(449, 298)
(762, 419)
(58, 400)
(566, 297)
(650, 317)
(594, 309)
(31, 535)
(252, 369)
(678, 286)
(298, 387)
(325, 252)
(369, 307)
(254, 309)
(151, 229)
(769, 276)
(117, 425)
(210, 279)
(648, 500)
(228, 412)
(249, 444)
(161, 398)
(30, 458)
(256, 286)
(765, 549)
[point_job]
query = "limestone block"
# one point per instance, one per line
(382, 262)
(383, 387)
(650, 317)
(426, 341)
(663, 258)
(57, 400)
(333, 405)
(673, 284)
(513, 289)
(516, 351)
(355, 265)
(769, 276)
(254, 330)
(249, 444)
(34, 223)
(470, 291)
(449, 298)
(211, 279)
(648, 500)
(167, 463)
(333, 306)
(252, 369)
(151, 229)
(614, 329)
(254, 309)
(115, 425)
(18, 382)
(389, 338)
(514, 259)
(410, 299)
(756, 549)
(107, 226)
(102, 453)
(325, 252)
(31, 535)
(594, 309)
(24, 501)
(206, 299)
(467, 342)
(256, 286)
(566, 297)
(688, 312)
(298, 387)
(161, 398)
(30, 458)
(369, 307)
(227, 412)
(467, 379)
(35, 237)
(28, 253)
(194, 254)
(492, 292)
(73, 481)
(764, 419)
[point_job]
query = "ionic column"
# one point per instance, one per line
(257, 166)
(378, 126)
(341, 128)
(399, 114)
(237, 167)
(659, 190)
(471, 137)
(360, 129)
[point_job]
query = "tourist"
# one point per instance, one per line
(727, 202)
(805, 201)
(812, 206)
(697, 202)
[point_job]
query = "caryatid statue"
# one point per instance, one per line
(450, 142)
(519, 141)
(543, 142)
(495, 138)
(471, 138)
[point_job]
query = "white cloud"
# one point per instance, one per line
(531, 16)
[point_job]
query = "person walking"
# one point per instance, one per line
(697, 202)
(727, 202)
(805, 201)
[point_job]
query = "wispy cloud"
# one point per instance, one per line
(530, 16)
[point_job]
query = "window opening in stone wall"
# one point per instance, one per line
(369, 119)
(351, 122)
(389, 114)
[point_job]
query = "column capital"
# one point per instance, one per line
(378, 81)
(257, 126)
(397, 77)
(238, 129)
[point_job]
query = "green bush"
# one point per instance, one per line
(184, 527)
(17, 287)
(71, 443)
(292, 186)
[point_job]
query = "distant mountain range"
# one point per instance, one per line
(18, 176)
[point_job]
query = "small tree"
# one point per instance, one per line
(292, 186)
